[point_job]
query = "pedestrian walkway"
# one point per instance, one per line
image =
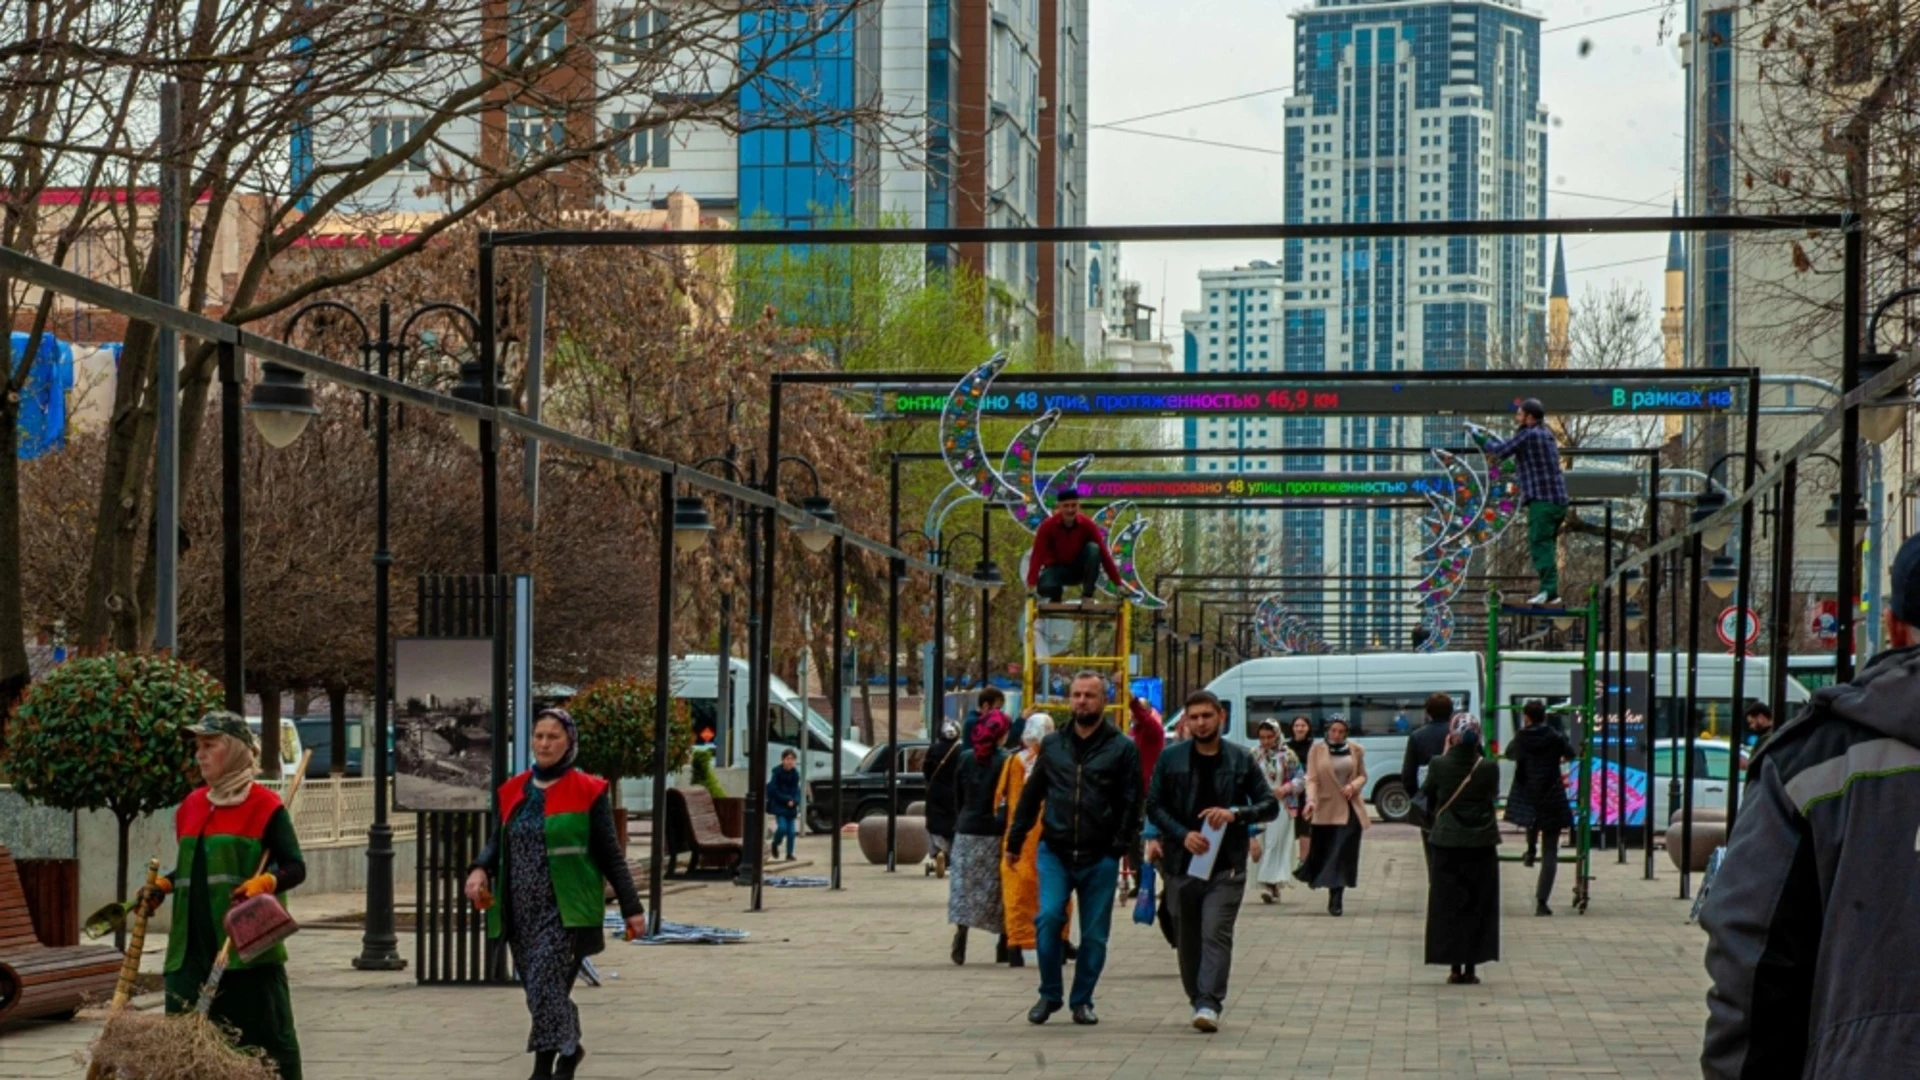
(858, 983)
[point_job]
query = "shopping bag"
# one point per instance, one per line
(1143, 906)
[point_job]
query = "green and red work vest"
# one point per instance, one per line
(230, 839)
(577, 885)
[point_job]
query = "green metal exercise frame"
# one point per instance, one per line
(1587, 709)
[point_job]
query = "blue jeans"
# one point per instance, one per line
(787, 827)
(1095, 884)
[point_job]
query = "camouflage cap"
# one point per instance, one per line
(222, 723)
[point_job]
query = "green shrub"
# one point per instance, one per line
(104, 733)
(615, 718)
(704, 775)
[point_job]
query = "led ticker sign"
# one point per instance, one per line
(1130, 403)
(1581, 484)
(1301, 397)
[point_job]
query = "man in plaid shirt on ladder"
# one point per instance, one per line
(1544, 487)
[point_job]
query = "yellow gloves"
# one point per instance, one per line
(255, 886)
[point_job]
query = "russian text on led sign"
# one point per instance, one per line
(1389, 399)
(1581, 484)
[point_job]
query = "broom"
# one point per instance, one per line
(183, 1047)
(129, 967)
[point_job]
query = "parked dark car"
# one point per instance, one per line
(863, 791)
(316, 734)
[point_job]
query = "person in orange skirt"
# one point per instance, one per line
(1020, 883)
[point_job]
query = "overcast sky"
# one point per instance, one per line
(1615, 114)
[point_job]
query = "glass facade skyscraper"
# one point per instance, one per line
(1403, 110)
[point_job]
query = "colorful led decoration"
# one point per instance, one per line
(1017, 469)
(960, 435)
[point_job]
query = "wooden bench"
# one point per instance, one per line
(693, 830)
(38, 981)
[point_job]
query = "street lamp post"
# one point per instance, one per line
(818, 507)
(281, 407)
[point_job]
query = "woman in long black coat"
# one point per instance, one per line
(1538, 800)
(1463, 880)
(942, 771)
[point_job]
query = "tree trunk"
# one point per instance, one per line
(120, 877)
(866, 712)
(120, 487)
(269, 731)
(337, 722)
(14, 672)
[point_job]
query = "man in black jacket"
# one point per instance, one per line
(1089, 778)
(1206, 781)
(1427, 742)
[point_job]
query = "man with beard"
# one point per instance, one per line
(1206, 781)
(1088, 777)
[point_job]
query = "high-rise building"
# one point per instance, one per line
(1403, 110)
(1750, 301)
(1018, 134)
(978, 117)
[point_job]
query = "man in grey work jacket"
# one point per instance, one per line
(1813, 921)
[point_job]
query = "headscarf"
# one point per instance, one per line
(987, 733)
(232, 786)
(548, 775)
(1346, 745)
(1038, 727)
(1464, 729)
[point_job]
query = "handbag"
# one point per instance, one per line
(1420, 810)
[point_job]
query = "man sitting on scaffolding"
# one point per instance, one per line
(1069, 549)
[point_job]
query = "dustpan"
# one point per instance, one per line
(257, 924)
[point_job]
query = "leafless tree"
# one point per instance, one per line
(277, 104)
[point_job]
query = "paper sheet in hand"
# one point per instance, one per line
(1201, 866)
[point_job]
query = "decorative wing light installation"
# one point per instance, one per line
(1283, 631)
(1472, 515)
(960, 435)
(1016, 483)
(1478, 514)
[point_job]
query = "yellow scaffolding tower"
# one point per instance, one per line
(1089, 615)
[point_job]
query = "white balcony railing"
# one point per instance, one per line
(339, 810)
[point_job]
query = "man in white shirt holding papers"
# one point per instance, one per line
(1204, 794)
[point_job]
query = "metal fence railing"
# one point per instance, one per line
(338, 810)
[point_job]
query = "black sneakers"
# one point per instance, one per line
(1084, 1014)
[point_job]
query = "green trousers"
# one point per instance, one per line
(253, 1002)
(1543, 542)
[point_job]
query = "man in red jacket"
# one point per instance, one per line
(1068, 549)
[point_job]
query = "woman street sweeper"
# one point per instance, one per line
(225, 827)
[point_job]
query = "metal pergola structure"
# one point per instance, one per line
(233, 342)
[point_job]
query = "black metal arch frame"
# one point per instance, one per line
(1846, 416)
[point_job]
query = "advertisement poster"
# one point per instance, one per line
(1617, 781)
(443, 724)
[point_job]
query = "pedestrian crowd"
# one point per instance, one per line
(1030, 825)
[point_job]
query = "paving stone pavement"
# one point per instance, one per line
(858, 983)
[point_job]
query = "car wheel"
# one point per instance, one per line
(817, 821)
(876, 808)
(1392, 800)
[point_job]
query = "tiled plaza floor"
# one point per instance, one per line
(858, 983)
